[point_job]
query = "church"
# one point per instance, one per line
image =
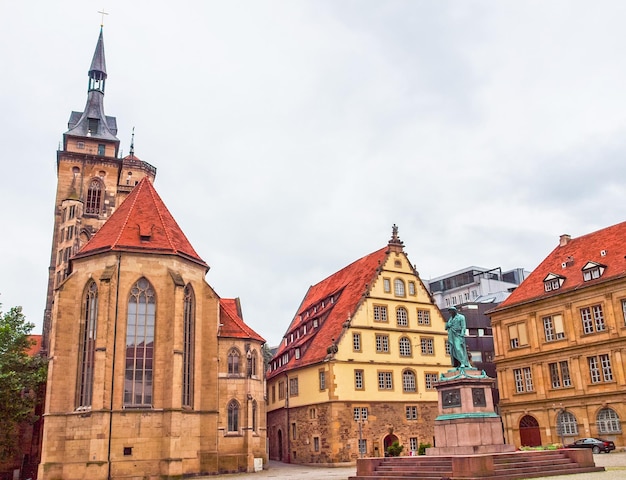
(151, 373)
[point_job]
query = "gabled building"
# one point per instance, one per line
(560, 341)
(151, 374)
(356, 368)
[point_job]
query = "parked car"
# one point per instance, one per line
(597, 445)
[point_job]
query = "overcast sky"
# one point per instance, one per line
(289, 136)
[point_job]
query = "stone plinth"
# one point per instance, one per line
(467, 423)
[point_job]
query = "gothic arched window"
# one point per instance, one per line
(94, 197)
(255, 416)
(140, 345)
(189, 320)
(233, 416)
(87, 346)
(233, 361)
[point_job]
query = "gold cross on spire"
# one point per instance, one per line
(103, 13)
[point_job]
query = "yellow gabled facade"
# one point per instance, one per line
(357, 366)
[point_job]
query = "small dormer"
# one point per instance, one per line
(592, 270)
(553, 282)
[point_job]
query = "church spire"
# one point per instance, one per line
(92, 122)
(98, 69)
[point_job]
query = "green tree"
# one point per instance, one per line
(21, 377)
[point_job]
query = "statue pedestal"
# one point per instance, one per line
(467, 423)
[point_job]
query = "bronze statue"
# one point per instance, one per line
(456, 338)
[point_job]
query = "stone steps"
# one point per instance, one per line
(502, 466)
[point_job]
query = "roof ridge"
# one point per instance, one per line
(166, 230)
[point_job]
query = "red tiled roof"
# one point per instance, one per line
(605, 247)
(232, 324)
(349, 285)
(35, 348)
(142, 223)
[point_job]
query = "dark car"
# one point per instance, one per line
(597, 445)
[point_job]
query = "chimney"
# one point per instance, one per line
(564, 239)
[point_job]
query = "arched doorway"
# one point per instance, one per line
(280, 445)
(529, 433)
(388, 440)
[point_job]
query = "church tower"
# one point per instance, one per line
(91, 179)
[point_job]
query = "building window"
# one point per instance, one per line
(71, 212)
(427, 346)
(410, 412)
(413, 445)
(322, 377)
(398, 287)
(600, 368)
(70, 233)
(593, 319)
(273, 393)
(358, 379)
(408, 381)
(608, 421)
(356, 342)
(294, 432)
(517, 335)
(553, 328)
(566, 424)
(523, 379)
(296, 353)
(411, 288)
(380, 313)
(402, 317)
(188, 345)
(552, 284)
(312, 413)
(359, 413)
(255, 416)
(385, 381)
(316, 444)
(405, 347)
(447, 344)
(592, 270)
(87, 346)
(431, 379)
(94, 198)
(233, 361)
(624, 310)
(362, 446)
(382, 343)
(423, 317)
(387, 285)
(281, 390)
(233, 416)
(293, 387)
(139, 345)
(559, 374)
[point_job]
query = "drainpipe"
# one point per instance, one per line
(287, 408)
(117, 294)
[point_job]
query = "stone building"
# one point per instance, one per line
(356, 368)
(560, 341)
(151, 374)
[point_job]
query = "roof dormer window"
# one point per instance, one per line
(552, 282)
(592, 270)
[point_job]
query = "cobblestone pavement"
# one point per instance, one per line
(615, 464)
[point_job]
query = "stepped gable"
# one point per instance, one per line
(348, 287)
(142, 223)
(231, 320)
(604, 247)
